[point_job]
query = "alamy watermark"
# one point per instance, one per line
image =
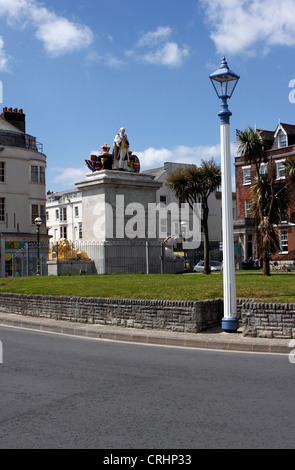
(1, 352)
(1, 92)
(152, 222)
(292, 353)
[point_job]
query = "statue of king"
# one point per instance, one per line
(121, 151)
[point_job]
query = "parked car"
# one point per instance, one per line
(214, 265)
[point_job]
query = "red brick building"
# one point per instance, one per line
(280, 146)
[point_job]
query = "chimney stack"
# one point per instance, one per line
(15, 117)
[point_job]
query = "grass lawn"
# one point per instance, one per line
(279, 287)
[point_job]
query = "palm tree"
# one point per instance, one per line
(251, 147)
(290, 169)
(271, 197)
(194, 183)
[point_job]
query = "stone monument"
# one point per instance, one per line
(119, 204)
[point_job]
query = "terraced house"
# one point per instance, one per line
(22, 188)
(280, 146)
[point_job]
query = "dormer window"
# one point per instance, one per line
(282, 140)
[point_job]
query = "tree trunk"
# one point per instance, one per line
(266, 266)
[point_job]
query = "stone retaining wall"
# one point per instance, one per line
(264, 320)
(180, 316)
(268, 320)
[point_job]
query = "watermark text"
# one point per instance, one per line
(153, 221)
(292, 353)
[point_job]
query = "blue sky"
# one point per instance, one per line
(83, 69)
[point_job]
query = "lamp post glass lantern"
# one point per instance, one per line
(224, 82)
(38, 222)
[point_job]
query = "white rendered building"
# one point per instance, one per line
(165, 196)
(22, 188)
(64, 215)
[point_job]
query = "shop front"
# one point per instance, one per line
(19, 258)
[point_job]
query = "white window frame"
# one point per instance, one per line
(42, 175)
(163, 200)
(34, 213)
(63, 231)
(246, 176)
(263, 169)
(63, 214)
(42, 213)
(283, 217)
(282, 140)
(280, 168)
(284, 242)
(34, 175)
(247, 207)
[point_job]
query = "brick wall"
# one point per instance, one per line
(243, 192)
(180, 316)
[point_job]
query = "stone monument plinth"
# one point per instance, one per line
(118, 205)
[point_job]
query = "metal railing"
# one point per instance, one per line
(25, 261)
(95, 258)
(32, 144)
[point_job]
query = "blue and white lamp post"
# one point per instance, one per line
(224, 82)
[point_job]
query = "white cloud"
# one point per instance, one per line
(4, 58)
(169, 54)
(149, 158)
(58, 35)
(155, 47)
(61, 36)
(153, 38)
(14, 9)
(69, 176)
(106, 60)
(153, 158)
(239, 25)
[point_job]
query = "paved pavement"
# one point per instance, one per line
(210, 339)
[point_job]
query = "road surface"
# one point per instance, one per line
(66, 392)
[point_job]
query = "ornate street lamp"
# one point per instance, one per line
(38, 222)
(224, 82)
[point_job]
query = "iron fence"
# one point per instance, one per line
(95, 258)
(25, 261)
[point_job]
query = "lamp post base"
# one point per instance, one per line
(230, 325)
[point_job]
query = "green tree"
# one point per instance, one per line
(193, 183)
(290, 170)
(251, 147)
(271, 198)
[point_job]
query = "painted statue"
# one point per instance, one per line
(120, 159)
(121, 151)
(94, 164)
(64, 251)
(133, 163)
